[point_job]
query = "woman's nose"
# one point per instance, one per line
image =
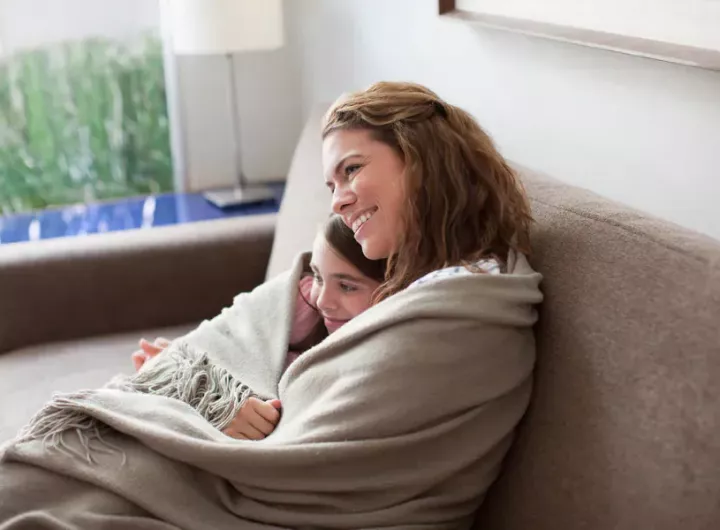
(343, 196)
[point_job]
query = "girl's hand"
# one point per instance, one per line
(148, 350)
(255, 420)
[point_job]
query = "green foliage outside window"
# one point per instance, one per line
(81, 122)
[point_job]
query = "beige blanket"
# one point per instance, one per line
(398, 420)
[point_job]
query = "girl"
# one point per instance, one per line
(340, 285)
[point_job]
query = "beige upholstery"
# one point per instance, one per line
(622, 430)
(65, 288)
(307, 200)
(29, 376)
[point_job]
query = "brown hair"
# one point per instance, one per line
(341, 238)
(464, 202)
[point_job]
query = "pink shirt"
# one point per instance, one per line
(305, 319)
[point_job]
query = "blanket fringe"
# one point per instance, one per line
(178, 373)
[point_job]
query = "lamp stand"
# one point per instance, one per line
(244, 193)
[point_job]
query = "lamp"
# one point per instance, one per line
(213, 27)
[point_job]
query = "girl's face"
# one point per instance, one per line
(366, 178)
(339, 290)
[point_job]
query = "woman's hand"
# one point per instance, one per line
(148, 350)
(255, 420)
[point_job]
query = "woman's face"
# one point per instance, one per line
(366, 178)
(339, 290)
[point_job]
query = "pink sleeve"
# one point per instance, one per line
(292, 356)
(305, 317)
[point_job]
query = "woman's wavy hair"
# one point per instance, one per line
(464, 202)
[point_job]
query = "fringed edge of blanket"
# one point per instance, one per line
(180, 373)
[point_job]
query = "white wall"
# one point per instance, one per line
(269, 117)
(640, 131)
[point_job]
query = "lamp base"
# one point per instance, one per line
(233, 197)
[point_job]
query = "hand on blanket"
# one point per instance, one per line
(148, 350)
(256, 420)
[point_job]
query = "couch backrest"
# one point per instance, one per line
(622, 429)
(307, 200)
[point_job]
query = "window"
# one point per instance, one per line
(82, 103)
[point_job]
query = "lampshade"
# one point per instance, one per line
(199, 27)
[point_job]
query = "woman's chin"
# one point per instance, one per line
(372, 251)
(373, 242)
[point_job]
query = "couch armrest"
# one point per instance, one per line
(77, 287)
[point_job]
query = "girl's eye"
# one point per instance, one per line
(351, 168)
(317, 279)
(347, 288)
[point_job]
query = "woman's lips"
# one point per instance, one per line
(360, 220)
(359, 232)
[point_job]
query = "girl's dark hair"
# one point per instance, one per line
(342, 240)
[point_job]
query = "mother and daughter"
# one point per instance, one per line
(419, 193)
(425, 251)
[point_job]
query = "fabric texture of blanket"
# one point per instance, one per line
(400, 419)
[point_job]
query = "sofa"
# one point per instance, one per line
(622, 431)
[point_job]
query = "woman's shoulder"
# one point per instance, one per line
(484, 266)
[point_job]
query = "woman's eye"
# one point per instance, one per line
(352, 168)
(344, 287)
(317, 279)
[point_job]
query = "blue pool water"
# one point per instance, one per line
(124, 214)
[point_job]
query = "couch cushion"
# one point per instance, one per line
(306, 203)
(622, 429)
(73, 287)
(29, 376)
